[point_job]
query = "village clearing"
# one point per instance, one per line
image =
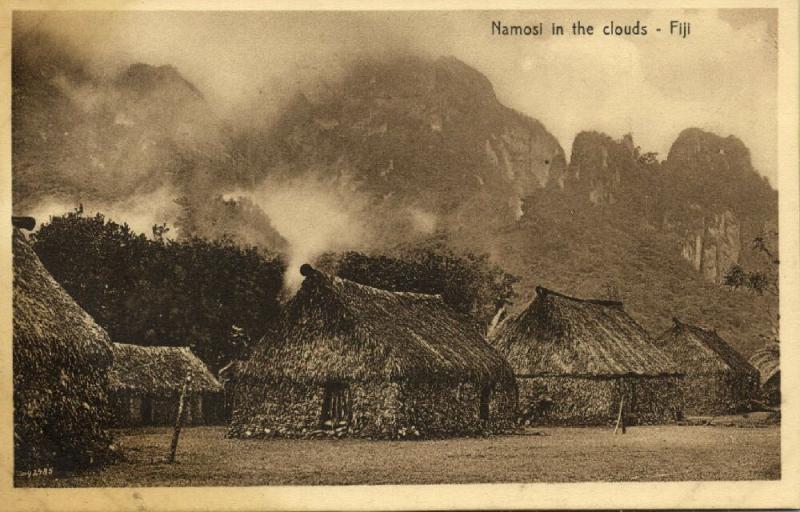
(647, 453)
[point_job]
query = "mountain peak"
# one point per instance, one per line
(145, 78)
(720, 172)
(410, 76)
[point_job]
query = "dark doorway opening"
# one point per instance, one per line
(486, 395)
(335, 405)
(147, 410)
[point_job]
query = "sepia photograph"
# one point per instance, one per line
(307, 249)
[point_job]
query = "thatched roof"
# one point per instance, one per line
(158, 370)
(698, 350)
(767, 361)
(561, 335)
(61, 357)
(337, 330)
(45, 314)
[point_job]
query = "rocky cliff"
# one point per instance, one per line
(706, 194)
(425, 133)
(717, 202)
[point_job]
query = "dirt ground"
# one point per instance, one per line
(206, 458)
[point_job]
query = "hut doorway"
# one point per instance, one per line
(335, 405)
(486, 396)
(146, 410)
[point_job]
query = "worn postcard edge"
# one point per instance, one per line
(762, 494)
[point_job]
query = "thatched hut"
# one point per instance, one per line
(767, 361)
(718, 380)
(578, 362)
(61, 358)
(145, 385)
(372, 363)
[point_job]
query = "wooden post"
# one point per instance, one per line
(620, 416)
(179, 419)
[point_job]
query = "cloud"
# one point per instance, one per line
(721, 78)
(314, 214)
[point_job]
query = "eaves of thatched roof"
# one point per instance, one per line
(158, 370)
(767, 361)
(47, 319)
(335, 329)
(561, 335)
(699, 351)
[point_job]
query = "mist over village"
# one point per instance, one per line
(402, 227)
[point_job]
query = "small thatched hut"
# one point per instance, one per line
(146, 382)
(576, 361)
(767, 361)
(372, 363)
(61, 358)
(718, 380)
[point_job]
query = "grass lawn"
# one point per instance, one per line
(206, 458)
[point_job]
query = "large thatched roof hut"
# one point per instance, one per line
(576, 360)
(372, 363)
(61, 358)
(767, 361)
(718, 380)
(145, 385)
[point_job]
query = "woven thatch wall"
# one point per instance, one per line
(437, 410)
(767, 362)
(61, 358)
(380, 410)
(572, 400)
(403, 355)
(293, 409)
(130, 409)
(718, 380)
(718, 393)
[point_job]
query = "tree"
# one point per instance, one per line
(163, 292)
(735, 277)
(468, 283)
(763, 279)
(649, 159)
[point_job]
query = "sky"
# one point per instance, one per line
(722, 77)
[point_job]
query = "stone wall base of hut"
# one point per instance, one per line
(294, 409)
(718, 393)
(444, 410)
(381, 410)
(587, 401)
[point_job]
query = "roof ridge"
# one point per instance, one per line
(711, 339)
(148, 347)
(309, 272)
(541, 291)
